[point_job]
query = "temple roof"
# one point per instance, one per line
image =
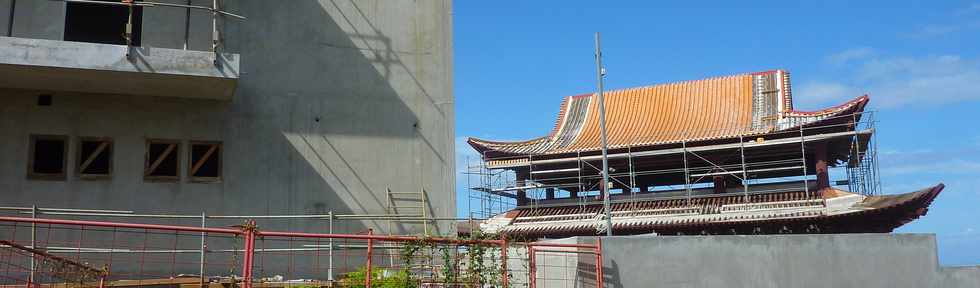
(834, 211)
(715, 108)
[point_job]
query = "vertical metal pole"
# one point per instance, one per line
(745, 173)
(330, 250)
(129, 32)
(806, 184)
(581, 186)
(187, 26)
(876, 180)
(602, 133)
(503, 264)
(599, 277)
(425, 218)
(629, 155)
(370, 253)
(389, 207)
(687, 173)
(215, 37)
(533, 269)
(249, 254)
(31, 277)
(10, 22)
(203, 247)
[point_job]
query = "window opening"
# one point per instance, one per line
(47, 157)
(101, 23)
(94, 157)
(162, 160)
(205, 161)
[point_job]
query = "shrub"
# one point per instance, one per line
(400, 279)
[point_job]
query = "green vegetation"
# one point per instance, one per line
(400, 279)
(473, 264)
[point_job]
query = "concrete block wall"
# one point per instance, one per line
(841, 260)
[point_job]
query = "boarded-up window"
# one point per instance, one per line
(94, 158)
(162, 160)
(47, 157)
(205, 164)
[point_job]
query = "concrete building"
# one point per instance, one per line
(306, 107)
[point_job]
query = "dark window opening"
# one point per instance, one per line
(47, 157)
(101, 23)
(44, 100)
(95, 157)
(205, 161)
(162, 160)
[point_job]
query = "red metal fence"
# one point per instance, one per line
(133, 254)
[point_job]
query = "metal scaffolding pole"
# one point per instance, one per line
(602, 129)
(330, 252)
(806, 186)
(33, 273)
(745, 177)
(204, 219)
(687, 173)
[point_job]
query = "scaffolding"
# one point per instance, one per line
(758, 163)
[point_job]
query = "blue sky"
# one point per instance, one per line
(919, 62)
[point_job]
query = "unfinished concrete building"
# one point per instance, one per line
(230, 107)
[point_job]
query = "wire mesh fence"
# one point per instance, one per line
(135, 255)
(24, 266)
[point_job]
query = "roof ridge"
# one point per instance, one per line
(679, 82)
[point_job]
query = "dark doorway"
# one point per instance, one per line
(101, 23)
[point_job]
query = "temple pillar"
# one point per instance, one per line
(820, 156)
(719, 182)
(522, 177)
(549, 193)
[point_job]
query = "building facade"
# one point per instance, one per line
(296, 107)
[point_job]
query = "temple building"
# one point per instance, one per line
(725, 155)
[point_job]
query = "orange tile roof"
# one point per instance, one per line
(715, 108)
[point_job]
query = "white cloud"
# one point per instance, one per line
(815, 94)
(849, 55)
(897, 81)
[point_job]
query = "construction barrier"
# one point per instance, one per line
(132, 255)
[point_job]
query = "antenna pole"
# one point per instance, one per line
(602, 132)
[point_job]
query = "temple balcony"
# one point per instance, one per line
(54, 65)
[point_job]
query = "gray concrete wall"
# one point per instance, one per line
(844, 260)
(6, 6)
(336, 101)
(39, 19)
(179, 28)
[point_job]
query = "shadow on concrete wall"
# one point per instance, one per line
(331, 75)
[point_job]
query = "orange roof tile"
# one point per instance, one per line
(715, 108)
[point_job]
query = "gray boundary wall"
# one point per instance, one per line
(840, 260)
